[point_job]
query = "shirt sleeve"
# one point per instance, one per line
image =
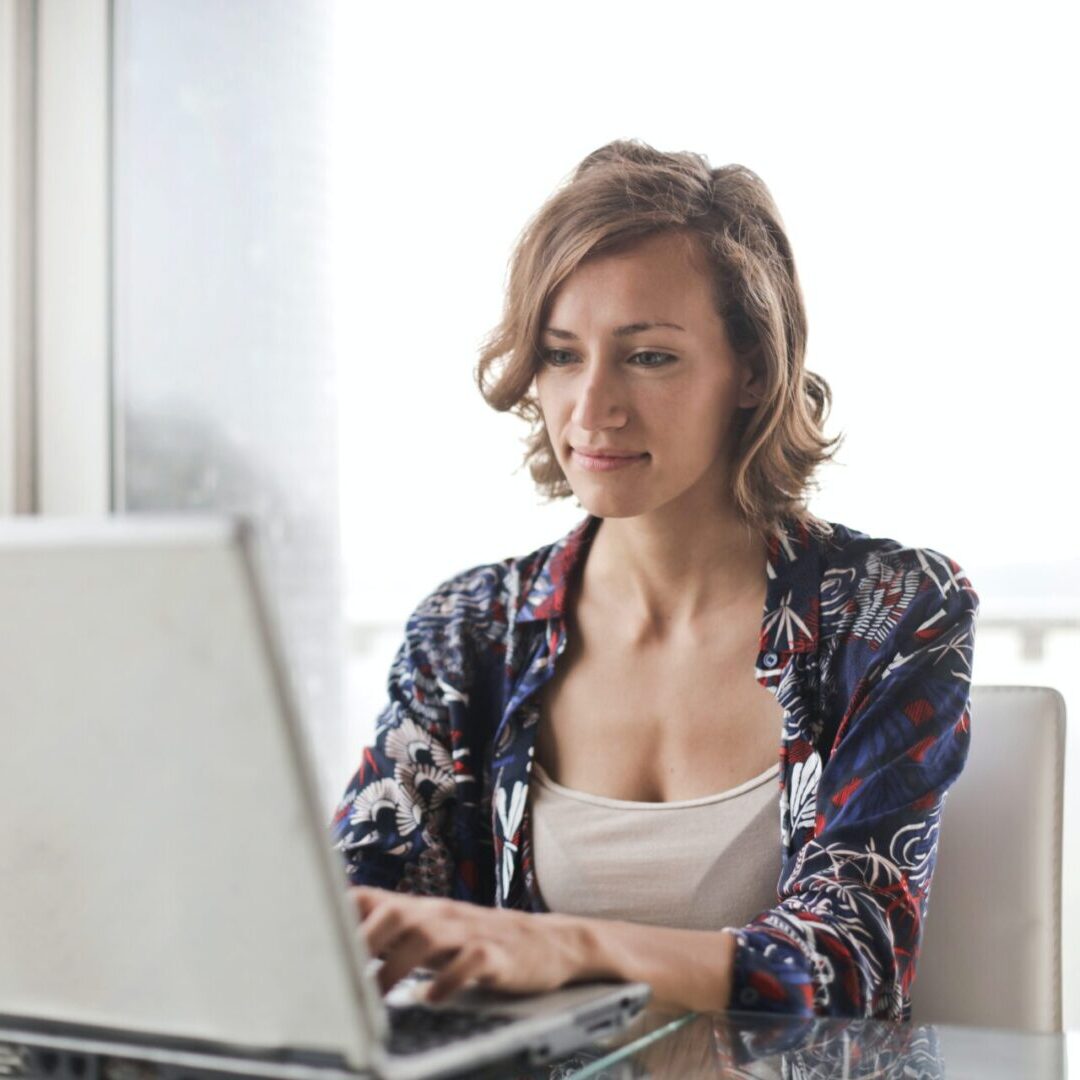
(390, 824)
(844, 938)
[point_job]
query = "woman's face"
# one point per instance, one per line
(662, 397)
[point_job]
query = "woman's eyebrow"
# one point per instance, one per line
(619, 331)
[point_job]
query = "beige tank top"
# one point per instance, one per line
(696, 864)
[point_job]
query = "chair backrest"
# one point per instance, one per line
(991, 948)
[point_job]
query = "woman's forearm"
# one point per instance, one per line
(690, 969)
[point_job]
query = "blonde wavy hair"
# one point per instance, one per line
(619, 194)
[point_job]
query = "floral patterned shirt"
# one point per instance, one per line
(867, 646)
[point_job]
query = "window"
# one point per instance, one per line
(224, 365)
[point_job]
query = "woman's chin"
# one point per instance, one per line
(609, 505)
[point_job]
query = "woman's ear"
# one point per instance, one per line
(752, 379)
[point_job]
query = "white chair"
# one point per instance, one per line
(991, 949)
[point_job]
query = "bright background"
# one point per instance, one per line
(922, 159)
(918, 155)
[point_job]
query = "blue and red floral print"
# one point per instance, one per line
(866, 644)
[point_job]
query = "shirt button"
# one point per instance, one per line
(771, 659)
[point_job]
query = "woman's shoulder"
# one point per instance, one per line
(873, 584)
(851, 549)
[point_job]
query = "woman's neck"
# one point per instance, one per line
(662, 572)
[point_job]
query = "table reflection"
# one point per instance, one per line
(662, 1044)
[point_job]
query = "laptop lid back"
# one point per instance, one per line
(164, 867)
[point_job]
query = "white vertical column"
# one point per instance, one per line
(16, 256)
(73, 293)
(8, 262)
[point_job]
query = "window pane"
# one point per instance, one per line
(224, 360)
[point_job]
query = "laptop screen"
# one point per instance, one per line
(163, 863)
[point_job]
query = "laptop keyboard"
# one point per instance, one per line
(417, 1027)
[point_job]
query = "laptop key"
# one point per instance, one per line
(417, 1027)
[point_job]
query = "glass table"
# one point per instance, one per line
(687, 1046)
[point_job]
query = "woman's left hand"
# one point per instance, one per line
(500, 949)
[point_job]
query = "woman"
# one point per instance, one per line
(584, 745)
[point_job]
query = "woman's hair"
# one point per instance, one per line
(618, 195)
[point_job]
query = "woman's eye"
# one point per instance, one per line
(555, 357)
(655, 359)
(561, 358)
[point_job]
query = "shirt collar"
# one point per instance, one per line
(790, 622)
(544, 591)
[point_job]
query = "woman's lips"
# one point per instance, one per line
(602, 463)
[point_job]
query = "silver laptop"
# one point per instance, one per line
(168, 888)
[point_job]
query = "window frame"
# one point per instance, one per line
(57, 440)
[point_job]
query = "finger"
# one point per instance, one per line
(366, 898)
(473, 962)
(418, 948)
(370, 898)
(383, 927)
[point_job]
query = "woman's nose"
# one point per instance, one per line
(600, 402)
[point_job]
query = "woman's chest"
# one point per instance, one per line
(658, 724)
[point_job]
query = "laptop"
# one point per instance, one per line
(169, 893)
